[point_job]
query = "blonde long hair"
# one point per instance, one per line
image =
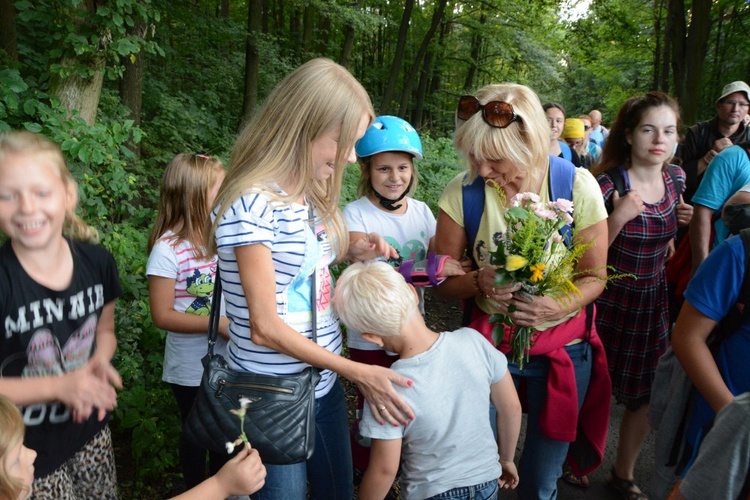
(12, 427)
(276, 146)
(525, 142)
(28, 143)
(183, 199)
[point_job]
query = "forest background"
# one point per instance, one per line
(124, 85)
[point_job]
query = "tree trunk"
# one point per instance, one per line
(252, 58)
(80, 94)
(308, 23)
(689, 48)
(346, 50)
(131, 85)
(658, 10)
(424, 79)
(476, 47)
(75, 92)
(437, 18)
(224, 9)
(8, 33)
(398, 56)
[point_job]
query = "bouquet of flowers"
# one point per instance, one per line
(532, 252)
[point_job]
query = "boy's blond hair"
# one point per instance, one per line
(372, 297)
(21, 142)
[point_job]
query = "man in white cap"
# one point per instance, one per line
(730, 169)
(704, 140)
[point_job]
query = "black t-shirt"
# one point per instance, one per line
(49, 332)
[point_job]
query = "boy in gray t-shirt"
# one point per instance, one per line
(449, 445)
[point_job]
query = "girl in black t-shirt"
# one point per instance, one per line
(57, 333)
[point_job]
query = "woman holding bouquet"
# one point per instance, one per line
(633, 314)
(503, 135)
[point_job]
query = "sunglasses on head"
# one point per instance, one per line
(498, 114)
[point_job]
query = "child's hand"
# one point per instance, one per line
(684, 212)
(89, 387)
(224, 327)
(370, 247)
(509, 478)
(242, 475)
(452, 267)
(629, 206)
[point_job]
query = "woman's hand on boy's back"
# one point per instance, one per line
(376, 384)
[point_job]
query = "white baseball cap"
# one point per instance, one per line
(731, 88)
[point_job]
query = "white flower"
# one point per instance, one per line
(244, 402)
(230, 447)
(563, 205)
(544, 213)
(557, 238)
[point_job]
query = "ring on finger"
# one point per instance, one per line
(382, 408)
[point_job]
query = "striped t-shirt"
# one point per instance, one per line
(296, 252)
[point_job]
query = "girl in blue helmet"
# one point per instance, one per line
(388, 179)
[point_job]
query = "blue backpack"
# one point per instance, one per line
(566, 152)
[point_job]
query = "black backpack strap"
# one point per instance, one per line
(618, 180)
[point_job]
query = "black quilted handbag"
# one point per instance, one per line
(280, 419)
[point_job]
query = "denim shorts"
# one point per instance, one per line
(483, 491)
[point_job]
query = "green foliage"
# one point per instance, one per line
(440, 164)
(68, 35)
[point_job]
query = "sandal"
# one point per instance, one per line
(625, 487)
(573, 480)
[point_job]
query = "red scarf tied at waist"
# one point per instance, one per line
(560, 419)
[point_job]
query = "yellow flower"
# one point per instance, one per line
(537, 272)
(515, 262)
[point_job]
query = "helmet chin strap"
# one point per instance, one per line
(391, 204)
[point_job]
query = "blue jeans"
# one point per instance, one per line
(542, 459)
(484, 491)
(329, 470)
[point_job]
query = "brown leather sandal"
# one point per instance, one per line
(627, 489)
(573, 480)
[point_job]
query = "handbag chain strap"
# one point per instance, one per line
(213, 319)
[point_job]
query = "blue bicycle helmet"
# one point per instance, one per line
(389, 133)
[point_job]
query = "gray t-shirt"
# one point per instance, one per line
(450, 442)
(723, 461)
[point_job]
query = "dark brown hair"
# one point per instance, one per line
(616, 149)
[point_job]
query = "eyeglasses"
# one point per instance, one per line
(732, 104)
(497, 114)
